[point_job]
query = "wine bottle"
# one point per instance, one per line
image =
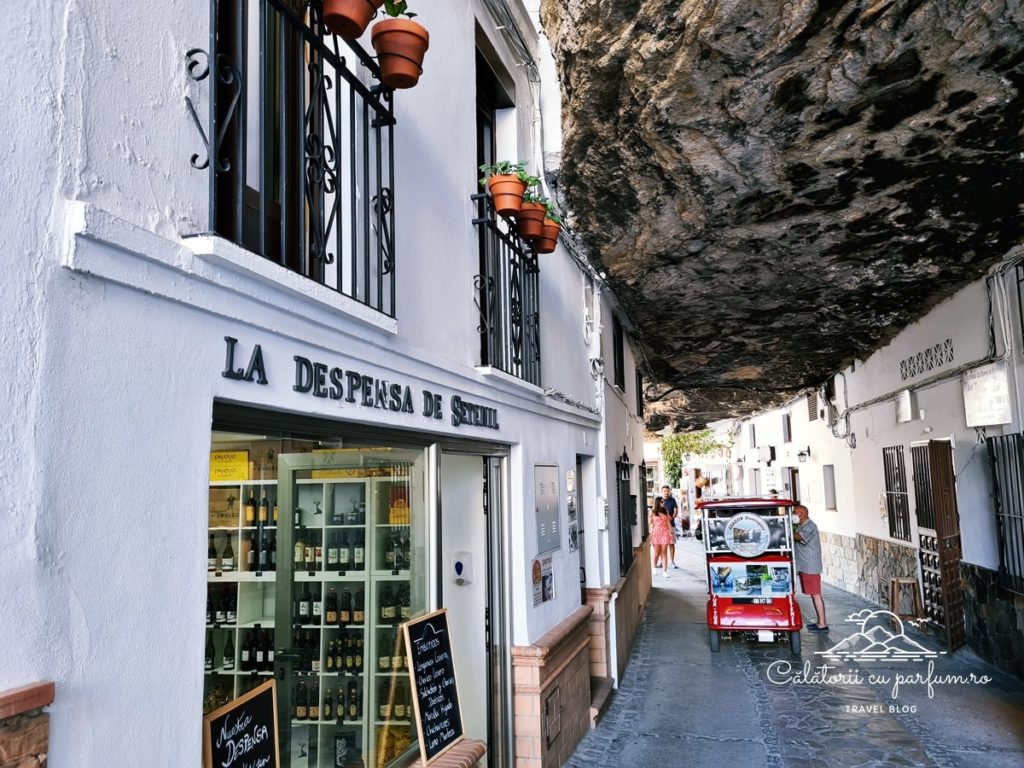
(399, 708)
(332, 552)
(310, 554)
(264, 510)
(305, 604)
(275, 512)
(350, 655)
(344, 554)
(227, 556)
(345, 610)
(318, 605)
(330, 656)
(220, 614)
(315, 664)
(248, 657)
(318, 554)
(358, 604)
(314, 702)
(384, 653)
(210, 653)
(212, 561)
(355, 706)
(332, 607)
(358, 653)
(405, 606)
(383, 702)
(250, 555)
(301, 701)
(398, 651)
(261, 650)
(339, 655)
(272, 552)
(300, 549)
(359, 552)
(231, 612)
(209, 609)
(389, 550)
(228, 659)
(250, 509)
(328, 710)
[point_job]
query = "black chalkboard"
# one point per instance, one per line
(244, 731)
(435, 694)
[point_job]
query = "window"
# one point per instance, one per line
(298, 149)
(639, 394)
(812, 406)
(787, 428)
(334, 541)
(897, 499)
(507, 284)
(752, 432)
(1006, 456)
(828, 472)
(619, 352)
(755, 482)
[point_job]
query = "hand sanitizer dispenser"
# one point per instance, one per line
(462, 568)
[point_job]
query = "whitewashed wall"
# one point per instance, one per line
(112, 338)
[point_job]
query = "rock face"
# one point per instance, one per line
(774, 188)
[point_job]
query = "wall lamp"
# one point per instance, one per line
(804, 455)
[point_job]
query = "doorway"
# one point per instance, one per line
(473, 585)
(938, 531)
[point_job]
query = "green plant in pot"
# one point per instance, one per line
(506, 182)
(530, 218)
(550, 230)
(400, 45)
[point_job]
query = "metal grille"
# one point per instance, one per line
(507, 297)
(626, 514)
(1006, 459)
(922, 487)
(300, 150)
(897, 500)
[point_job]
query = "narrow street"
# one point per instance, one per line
(679, 704)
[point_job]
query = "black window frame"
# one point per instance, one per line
(618, 354)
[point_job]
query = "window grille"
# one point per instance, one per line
(1006, 461)
(897, 499)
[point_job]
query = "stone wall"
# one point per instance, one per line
(551, 693)
(24, 727)
(994, 619)
(881, 561)
(841, 560)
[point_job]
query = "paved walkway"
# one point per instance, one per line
(681, 705)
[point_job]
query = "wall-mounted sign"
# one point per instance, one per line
(243, 733)
(747, 534)
(435, 698)
(543, 581)
(229, 465)
(987, 395)
(356, 387)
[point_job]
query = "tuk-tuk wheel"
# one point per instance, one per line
(713, 640)
(794, 643)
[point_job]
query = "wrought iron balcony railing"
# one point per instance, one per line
(299, 147)
(507, 297)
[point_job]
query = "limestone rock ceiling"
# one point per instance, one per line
(775, 188)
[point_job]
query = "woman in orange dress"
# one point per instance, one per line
(661, 534)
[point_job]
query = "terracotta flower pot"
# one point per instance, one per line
(548, 237)
(400, 45)
(507, 191)
(348, 18)
(530, 220)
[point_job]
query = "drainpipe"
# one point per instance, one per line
(613, 645)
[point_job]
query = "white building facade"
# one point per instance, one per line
(250, 277)
(909, 462)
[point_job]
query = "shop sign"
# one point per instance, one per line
(747, 534)
(334, 383)
(243, 733)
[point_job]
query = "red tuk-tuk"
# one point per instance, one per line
(748, 544)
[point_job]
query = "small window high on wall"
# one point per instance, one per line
(829, 477)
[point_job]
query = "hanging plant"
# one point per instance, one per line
(530, 217)
(400, 45)
(550, 229)
(348, 18)
(506, 182)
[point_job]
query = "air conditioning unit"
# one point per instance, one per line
(766, 453)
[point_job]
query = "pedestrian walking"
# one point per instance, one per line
(807, 553)
(669, 502)
(661, 534)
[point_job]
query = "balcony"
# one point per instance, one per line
(299, 146)
(507, 297)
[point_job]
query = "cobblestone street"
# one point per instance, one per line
(756, 705)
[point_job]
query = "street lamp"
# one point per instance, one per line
(804, 455)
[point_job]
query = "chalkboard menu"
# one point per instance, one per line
(435, 695)
(243, 733)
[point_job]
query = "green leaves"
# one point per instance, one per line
(504, 168)
(396, 9)
(675, 447)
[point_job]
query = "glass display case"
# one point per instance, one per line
(310, 574)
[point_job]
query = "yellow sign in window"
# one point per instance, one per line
(229, 465)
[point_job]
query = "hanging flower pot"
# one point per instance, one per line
(530, 219)
(548, 237)
(348, 18)
(506, 193)
(400, 45)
